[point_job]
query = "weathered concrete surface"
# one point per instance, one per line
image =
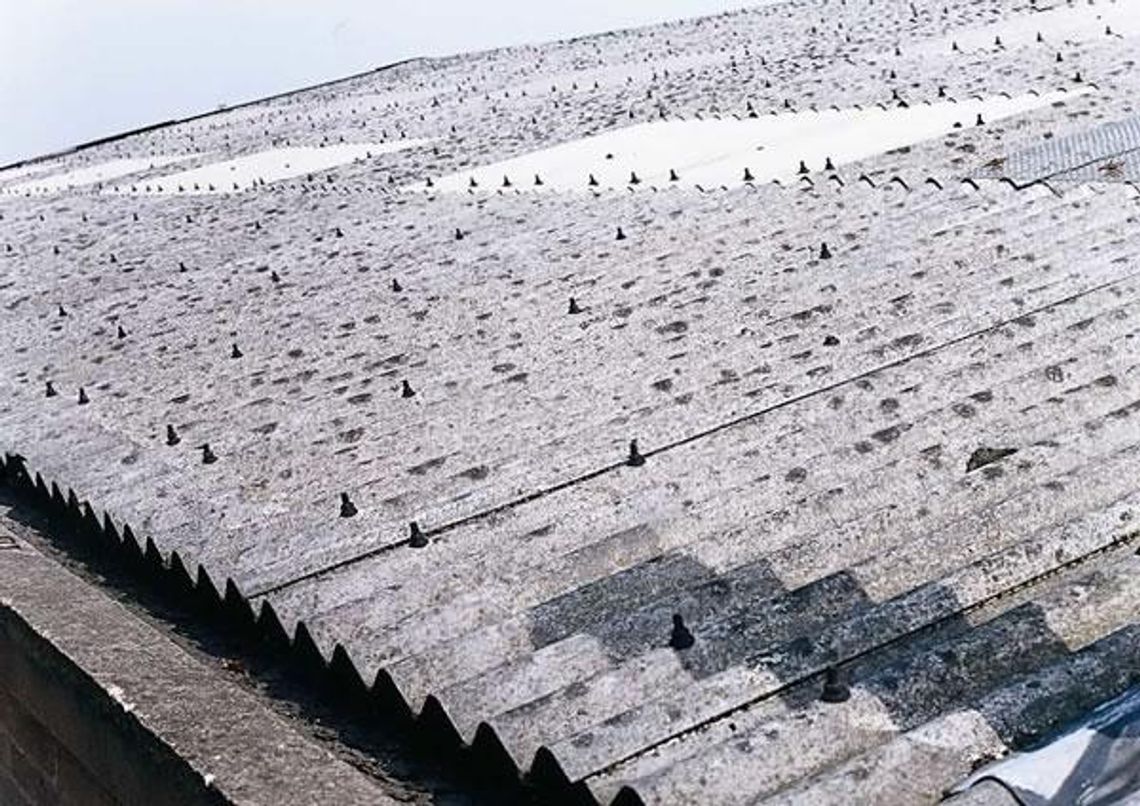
(98, 707)
(910, 456)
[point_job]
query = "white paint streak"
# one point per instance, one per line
(243, 173)
(90, 175)
(716, 152)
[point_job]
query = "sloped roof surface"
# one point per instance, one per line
(885, 415)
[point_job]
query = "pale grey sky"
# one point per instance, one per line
(75, 70)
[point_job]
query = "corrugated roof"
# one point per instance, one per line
(884, 416)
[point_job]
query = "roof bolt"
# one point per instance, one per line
(592, 182)
(396, 285)
(338, 232)
(831, 341)
(824, 252)
(347, 508)
(122, 334)
(506, 181)
(1059, 59)
(417, 539)
(274, 276)
(1077, 78)
(537, 180)
(635, 458)
(181, 266)
(620, 234)
(1039, 37)
(633, 179)
(680, 638)
(834, 689)
(50, 391)
(172, 437)
(235, 352)
(673, 176)
(472, 183)
(62, 311)
(208, 456)
(748, 177)
(979, 121)
(574, 306)
(458, 234)
(803, 168)
(828, 165)
(406, 389)
(83, 399)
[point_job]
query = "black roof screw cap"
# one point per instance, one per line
(122, 334)
(347, 508)
(406, 389)
(172, 437)
(680, 638)
(803, 168)
(235, 352)
(338, 232)
(396, 285)
(472, 183)
(537, 180)
(824, 252)
(592, 182)
(458, 234)
(979, 121)
(829, 165)
(181, 266)
(673, 176)
(831, 341)
(208, 456)
(635, 458)
(574, 307)
(633, 178)
(50, 390)
(274, 276)
(834, 689)
(83, 399)
(506, 181)
(429, 183)
(417, 540)
(748, 177)
(62, 310)
(620, 234)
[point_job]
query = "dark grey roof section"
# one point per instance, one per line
(820, 492)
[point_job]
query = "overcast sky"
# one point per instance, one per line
(74, 70)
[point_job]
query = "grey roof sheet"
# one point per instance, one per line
(913, 462)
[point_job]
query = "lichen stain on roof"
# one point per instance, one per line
(818, 491)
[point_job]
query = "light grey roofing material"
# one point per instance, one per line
(912, 461)
(1103, 153)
